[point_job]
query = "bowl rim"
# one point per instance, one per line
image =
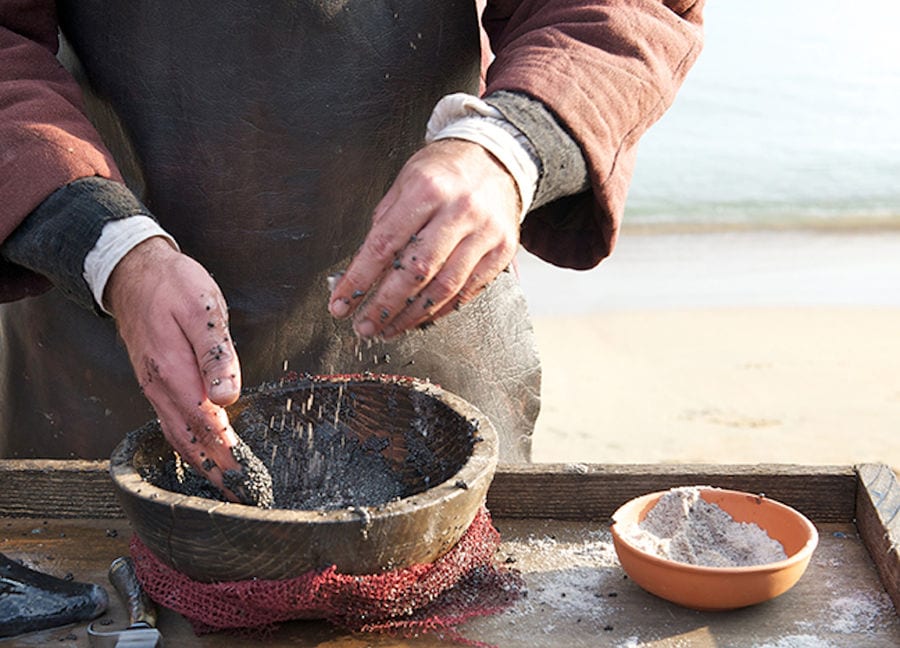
(480, 464)
(800, 556)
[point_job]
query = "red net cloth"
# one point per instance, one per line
(437, 597)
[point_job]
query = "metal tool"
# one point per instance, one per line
(141, 631)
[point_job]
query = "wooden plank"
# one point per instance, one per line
(583, 492)
(75, 488)
(57, 488)
(878, 522)
(577, 596)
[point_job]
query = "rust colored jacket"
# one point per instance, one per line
(606, 69)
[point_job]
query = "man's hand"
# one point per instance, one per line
(445, 229)
(174, 322)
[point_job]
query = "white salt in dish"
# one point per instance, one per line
(684, 527)
(649, 561)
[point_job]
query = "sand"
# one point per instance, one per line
(737, 347)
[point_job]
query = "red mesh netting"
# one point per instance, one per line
(462, 584)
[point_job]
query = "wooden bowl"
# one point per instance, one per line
(719, 588)
(455, 450)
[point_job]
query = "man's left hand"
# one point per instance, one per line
(445, 229)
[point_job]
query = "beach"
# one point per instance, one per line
(751, 310)
(738, 346)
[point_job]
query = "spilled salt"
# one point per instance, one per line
(797, 641)
(566, 579)
(684, 527)
(857, 612)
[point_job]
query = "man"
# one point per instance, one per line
(260, 144)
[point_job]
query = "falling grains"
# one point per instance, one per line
(325, 457)
(337, 406)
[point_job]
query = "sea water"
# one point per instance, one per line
(789, 120)
(790, 115)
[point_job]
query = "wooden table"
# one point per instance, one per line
(62, 517)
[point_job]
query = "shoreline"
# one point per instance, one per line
(747, 268)
(842, 224)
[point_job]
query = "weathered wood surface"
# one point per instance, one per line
(590, 491)
(57, 488)
(62, 517)
(878, 521)
(577, 596)
(73, 489)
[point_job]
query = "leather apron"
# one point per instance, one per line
(262, 135)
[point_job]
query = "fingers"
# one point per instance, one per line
(173, 320)
(472, 288)
(422, 261)
(204, 441)
(215, 354)
(465, 273)
(196, 428)
(446, 228)
(394, 227)
(428, 281)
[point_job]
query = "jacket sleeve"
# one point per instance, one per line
(46, 141)
(607, 70)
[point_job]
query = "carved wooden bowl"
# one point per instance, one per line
(441, 450)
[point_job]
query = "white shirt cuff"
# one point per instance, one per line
(117, 238)
(466, 117)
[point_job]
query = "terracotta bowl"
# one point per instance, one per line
(719, 588)
(443, 487)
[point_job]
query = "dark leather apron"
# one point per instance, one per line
(262, 134)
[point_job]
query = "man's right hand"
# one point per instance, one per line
(174, 321)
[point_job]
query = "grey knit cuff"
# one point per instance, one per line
(563, 169)
(57, 236)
